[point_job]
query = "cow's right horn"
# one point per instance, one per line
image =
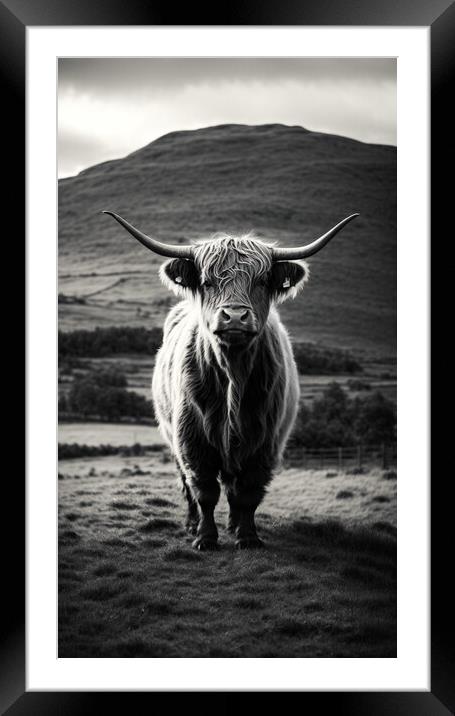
(178, 252)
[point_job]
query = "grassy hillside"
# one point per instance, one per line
(285, 183)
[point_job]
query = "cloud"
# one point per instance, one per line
(77, 151)
(99, 122)
(127, 76)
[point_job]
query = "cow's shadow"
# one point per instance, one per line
(365, 553)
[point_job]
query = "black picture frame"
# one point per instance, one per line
(15, 17)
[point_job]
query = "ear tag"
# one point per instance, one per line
(287, 283)
(178, 279)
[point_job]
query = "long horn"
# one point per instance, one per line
(302, 252)
(178, 252)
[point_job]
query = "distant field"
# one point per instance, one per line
(108, 434)
(130, 585)
(138, 370)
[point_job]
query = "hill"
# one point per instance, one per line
(285, 183)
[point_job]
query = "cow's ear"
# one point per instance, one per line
(288, 278)
(180, 275)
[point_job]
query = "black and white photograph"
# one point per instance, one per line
(227, 357)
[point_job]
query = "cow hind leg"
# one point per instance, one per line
(233, 520)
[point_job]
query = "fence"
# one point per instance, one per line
(342, 458)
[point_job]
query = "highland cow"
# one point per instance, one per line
(225, 385)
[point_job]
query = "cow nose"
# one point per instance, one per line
(236, 318)
(235, 315)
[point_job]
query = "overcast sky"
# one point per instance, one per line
(110, 107)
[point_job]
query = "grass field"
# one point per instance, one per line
(108, 434)
(131, 585)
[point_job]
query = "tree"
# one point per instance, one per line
(102, 393)
(83, 396)
(336, 420)
(375, 420)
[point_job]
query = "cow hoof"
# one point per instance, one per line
(205, 544)
(249, 543)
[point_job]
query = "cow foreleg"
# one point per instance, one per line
(192, 515)
(207, 495)
(243, 502)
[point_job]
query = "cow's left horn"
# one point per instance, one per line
(178, 252)
(302, 252)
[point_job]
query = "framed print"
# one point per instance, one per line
(189, 137)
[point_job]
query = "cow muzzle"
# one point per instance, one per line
(235, 324)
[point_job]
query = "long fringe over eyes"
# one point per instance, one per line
(225, 258)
